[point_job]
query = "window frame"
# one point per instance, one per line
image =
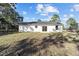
(44, 28)
(36, 26)
(56, 27)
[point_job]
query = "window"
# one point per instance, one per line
(36, 26)
(56, 27)
(44, 28)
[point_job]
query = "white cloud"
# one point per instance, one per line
(71, 15)
(45, 9)
(75, 7)
(51, 9)
(68, 15)
(65, 15)
(44, 14)
(72, 10)
(24, 12)
(65, 19)
(39, 7)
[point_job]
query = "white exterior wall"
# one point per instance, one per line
(20, 28)
(24, 28)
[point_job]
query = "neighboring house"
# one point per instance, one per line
(40, 27)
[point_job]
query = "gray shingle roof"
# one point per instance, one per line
(40, 23)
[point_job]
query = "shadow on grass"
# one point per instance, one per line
(6, 33)
(28, 47)
(3, 48)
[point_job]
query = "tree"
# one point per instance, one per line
(39, 20)
(72, 24)
(55, 18)
(63, 26)
(9, 14)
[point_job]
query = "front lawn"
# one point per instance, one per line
(39, 44)
(14, 38)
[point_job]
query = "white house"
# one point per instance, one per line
(40, 27)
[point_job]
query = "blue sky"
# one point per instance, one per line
(44, 11)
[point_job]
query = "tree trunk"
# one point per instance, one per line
(6, 27)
